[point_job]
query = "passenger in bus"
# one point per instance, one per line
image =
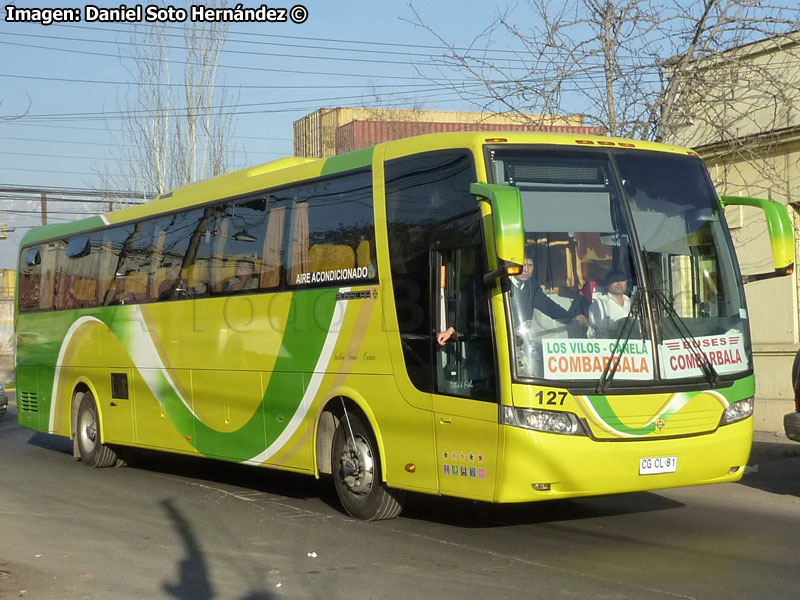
(610, 307)
(245, 277)
(528, 296)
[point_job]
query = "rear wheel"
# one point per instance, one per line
(357, 472)
(87, 436)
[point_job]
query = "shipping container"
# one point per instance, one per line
(316, 134)
(362, 134)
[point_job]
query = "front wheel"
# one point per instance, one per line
(357, 472)
(87, 436)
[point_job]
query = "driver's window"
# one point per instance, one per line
(464, 357)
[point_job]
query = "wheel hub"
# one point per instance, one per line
(357, 466)
(88, 429)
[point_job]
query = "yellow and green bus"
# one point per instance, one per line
(420, 316)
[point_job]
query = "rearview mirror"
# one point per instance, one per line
(781, 235)
(509, 233)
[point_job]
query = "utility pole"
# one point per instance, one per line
(44, 208)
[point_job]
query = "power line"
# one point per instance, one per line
(59, 172)
(222, 50)
(370, 43)
(211, 86)
(290, 37)
(74, 191)
(127, 114)
(443, 61)
(505, 56)
(239, 67)
(108, 130)
(118, 159)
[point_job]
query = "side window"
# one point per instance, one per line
(30, 280)
(200, 256)
(333, 233)
(132, 277)
(83, 279)
(241, 231)
(112, 247)
(222, 249)
(63, 276)
(175, 245)
(430, 212)
(48, 285)
(272, 260)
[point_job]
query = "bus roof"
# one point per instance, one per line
(291, 169)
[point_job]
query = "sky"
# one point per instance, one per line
(69, 82)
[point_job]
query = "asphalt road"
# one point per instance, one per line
(172, 527)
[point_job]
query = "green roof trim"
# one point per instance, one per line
(60, 230)
(347, 162)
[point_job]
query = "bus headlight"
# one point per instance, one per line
(737, 411)
(565, 423)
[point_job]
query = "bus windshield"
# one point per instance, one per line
(588, 304)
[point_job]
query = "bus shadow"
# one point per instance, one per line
(472, 514)
(422, 507)
(250, 478)
(774, 468)
(51, 442)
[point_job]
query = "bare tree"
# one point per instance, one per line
(177, 122)
(625, 65)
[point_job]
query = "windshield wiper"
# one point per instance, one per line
(610, 369)
(687, 338)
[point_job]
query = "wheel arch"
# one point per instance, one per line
(330, 413)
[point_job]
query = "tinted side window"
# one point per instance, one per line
(225, 248)
(242, 227)
(333, 232)
(428, 207)
(30, 280)
(132, 276)
(174, 241)
(111, 247)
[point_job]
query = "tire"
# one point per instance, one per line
(87, 436)
(356, 467)
(796, 375)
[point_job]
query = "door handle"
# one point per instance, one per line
(445, 420)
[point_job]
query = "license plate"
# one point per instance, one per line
(659, 464)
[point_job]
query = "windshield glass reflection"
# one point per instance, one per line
(573, 310)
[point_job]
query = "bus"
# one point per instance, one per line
(362, 317)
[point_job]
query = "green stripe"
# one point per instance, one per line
(741, 389)
(308, 323)
(310, 316)
(59, 230)
(347, 162)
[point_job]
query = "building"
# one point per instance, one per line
(7, 284)
(739, 110)
(330, 131)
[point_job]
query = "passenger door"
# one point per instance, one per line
(465, 378)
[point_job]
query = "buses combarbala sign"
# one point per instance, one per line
(587, 359)
(725, 353)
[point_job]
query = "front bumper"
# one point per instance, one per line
(575, 466)
(791, 425)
